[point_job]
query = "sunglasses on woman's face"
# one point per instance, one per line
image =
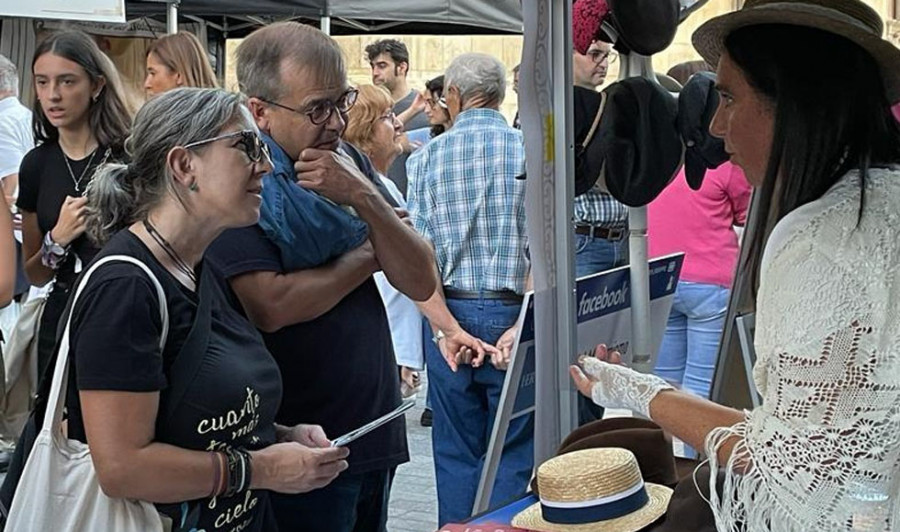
(248, 141)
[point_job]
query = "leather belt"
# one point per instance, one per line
(605, 233)
(503, 295)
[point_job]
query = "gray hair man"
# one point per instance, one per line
(466, 199)
(325, 325)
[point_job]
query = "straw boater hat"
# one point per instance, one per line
(594, 490)
(850, 19)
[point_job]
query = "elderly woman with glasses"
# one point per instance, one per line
(373, 127)
(182, 414)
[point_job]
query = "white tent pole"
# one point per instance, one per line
(545, 103)
(563, 192)
(172, 17)
(325, 25)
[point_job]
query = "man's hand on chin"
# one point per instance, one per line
(332, 174)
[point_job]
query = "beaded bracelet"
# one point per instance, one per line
(52, 254)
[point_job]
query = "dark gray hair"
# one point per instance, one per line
(121, 194)
(9, 76)
(477, 75)
(262, 56)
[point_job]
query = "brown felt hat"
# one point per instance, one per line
(851, 19)
(688, 510)
(651, 446)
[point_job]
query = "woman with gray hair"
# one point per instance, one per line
(189, 426)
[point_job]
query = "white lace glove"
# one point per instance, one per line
(620, 387)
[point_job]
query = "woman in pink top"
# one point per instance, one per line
(701, 224)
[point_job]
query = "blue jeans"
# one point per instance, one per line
(689, 348)
(351, 503)
(464, 406)
(593, 255)
(687, 356)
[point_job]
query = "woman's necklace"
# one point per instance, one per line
(83, 172)
(170, 251)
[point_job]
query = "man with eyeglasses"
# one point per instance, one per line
(600, 221)
(589, 70)
(324, 323)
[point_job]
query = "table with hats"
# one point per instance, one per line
(616, 474)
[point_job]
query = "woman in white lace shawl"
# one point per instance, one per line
(806, 88)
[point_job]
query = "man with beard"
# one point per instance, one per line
(389, 59)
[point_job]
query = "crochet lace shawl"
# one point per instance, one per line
(822, 453)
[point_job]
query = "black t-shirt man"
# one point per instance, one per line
(339, 369)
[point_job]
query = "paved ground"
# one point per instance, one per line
(413, 506)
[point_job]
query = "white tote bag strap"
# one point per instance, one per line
(56, 399)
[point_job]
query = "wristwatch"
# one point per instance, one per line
(52, 254)
(438, 336)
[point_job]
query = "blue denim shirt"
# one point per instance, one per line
(308, 229)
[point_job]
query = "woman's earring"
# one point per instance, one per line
(193, 187)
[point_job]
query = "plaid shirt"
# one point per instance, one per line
(464, 196)
(599, 209)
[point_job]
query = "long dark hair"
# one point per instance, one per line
(831, 117)
(109, 116)
(436, 87)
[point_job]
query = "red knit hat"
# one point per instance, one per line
(587, 15)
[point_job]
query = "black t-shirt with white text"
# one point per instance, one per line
(230, 401)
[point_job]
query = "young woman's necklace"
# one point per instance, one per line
(180, 264)
(83, 172)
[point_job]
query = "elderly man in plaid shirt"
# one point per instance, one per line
(464, 197)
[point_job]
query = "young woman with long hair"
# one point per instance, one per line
(177, 60)
(80, 121)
